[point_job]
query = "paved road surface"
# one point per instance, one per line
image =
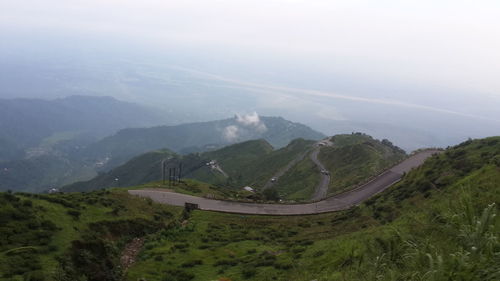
(336, 203)
(324, 182)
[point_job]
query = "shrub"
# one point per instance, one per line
(37, 275)
(178, 275)
(252, 251)
(318, 253)
(271, 194)
(248, 272)
(233, 262)
(74, 213)
(181, 246)
(192, 263)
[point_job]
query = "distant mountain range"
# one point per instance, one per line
(59, 153)
(31, 123)
(198, 137)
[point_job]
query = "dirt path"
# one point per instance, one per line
(129, 254)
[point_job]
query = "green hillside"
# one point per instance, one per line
(438, 223)
(54, 157)
(351, 160)
(139, 170)
(357, 157)
(67, 237)
(41, 140)
(299, 182)
(257, 171)
(246, 163)
(195, 137)
(231, 159)
(41, 173)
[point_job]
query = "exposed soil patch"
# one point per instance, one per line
(130, 253)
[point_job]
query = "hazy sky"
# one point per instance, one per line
(362, 60)
(453, 43)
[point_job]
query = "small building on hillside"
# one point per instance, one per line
(248, 188)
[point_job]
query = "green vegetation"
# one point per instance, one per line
(357, 157)
(41, 173)
(352, 160)
(195, 137)
(59, 137)
(258, 170)
(447, 230)
(233, 160)
(299, 182)
(71, 236)
(438, 223)
(141, 169)
(247, 163)
(195, 188)
(53, 133)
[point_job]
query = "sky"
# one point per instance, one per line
(447, 43)
(428, 56)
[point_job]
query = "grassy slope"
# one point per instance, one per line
(139, 170)
(259, 170)
(247, 163)
(299, 182)
(351, 160)
(355, 158)
(423, 228)
(96, 207)
(232, 159)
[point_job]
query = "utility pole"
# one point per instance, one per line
(163, 167)
(174, 176)
(172, 179)
(180, 173)
(170, 176)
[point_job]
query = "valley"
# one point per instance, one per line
(432, 211)
(249, 140)
(104, 136)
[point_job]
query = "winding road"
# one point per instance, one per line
(322, 188)
(338, 202)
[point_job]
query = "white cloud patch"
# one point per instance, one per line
(245, 127)
(230, 133)
(251, 120)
